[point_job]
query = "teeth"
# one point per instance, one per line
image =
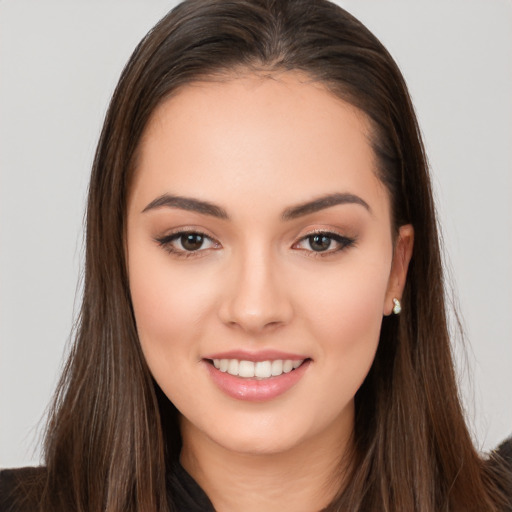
(263, 369)
(233, 367)
(277, 367)
(246, 369)
(287, 366)
(260, 369)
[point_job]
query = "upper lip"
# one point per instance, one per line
(261, 355)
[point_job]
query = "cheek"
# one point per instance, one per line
(345, 316)
(162, 303)
(352, 296)
(169, 308)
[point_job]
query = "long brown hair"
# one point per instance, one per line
(111, 433)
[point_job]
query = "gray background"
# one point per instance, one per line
(59, 62)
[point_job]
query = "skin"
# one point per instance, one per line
(256, 146)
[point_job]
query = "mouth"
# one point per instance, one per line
(257, 370)
(256, 376)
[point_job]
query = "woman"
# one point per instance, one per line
(263, 324)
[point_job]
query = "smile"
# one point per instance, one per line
(256, 381)
(259, 369)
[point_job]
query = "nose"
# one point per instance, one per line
(257, 296)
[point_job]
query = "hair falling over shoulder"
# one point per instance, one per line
(112, 434)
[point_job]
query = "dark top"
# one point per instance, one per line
(186, 492)
(187, 495)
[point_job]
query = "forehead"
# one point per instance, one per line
(252, 135)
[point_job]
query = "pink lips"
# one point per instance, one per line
(252, 389)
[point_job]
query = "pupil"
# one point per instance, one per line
(319, 242)
(192, 241)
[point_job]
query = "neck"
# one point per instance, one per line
(301, 479)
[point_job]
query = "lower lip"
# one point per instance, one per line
(255, 390)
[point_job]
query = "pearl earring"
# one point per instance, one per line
(397, 308)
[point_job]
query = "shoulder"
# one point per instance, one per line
(20, 488)
(500, 462)
(504, 451)
(502, 457)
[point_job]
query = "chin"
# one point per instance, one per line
(254, 444)
(246, 435)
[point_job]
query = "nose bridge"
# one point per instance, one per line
(256, 298)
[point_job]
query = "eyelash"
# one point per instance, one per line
(167, 241)
(344, 242)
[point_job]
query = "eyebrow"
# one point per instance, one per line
(321, 203)
(294, 212)
(187, 203)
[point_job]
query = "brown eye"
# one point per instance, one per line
(186, 243)
(319, 242)
(324, 242)
(192, 241)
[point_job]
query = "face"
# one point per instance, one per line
(261, 260)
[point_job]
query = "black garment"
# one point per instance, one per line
(14, 484)
(186, 493)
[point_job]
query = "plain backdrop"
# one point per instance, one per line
(59, 62)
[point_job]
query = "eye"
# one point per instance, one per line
(324, 242)
(185, 243)
(191, 241)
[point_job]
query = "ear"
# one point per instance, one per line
(401, 257)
